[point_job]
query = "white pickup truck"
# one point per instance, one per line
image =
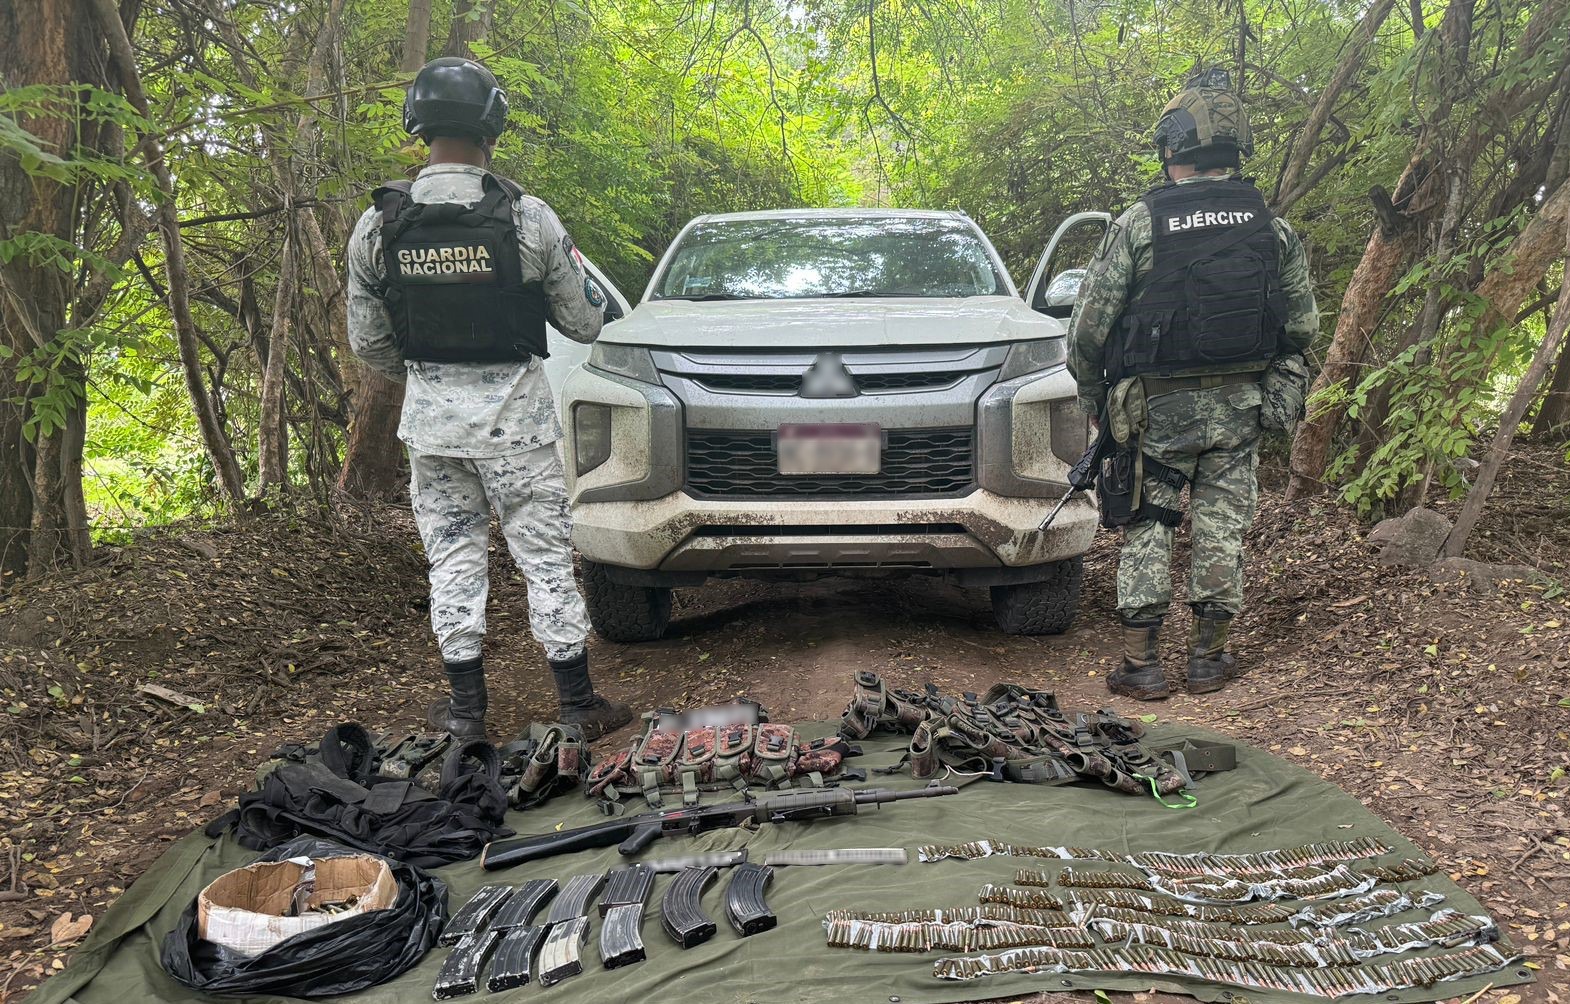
(803, 393)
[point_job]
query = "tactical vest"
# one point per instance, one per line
(1212, 300)
(454, 281)
(712, 758)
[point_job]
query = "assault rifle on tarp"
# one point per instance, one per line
(632, 834)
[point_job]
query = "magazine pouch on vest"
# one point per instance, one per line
(1213, 296)
(455, 288)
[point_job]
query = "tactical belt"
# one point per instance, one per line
(1155, 385)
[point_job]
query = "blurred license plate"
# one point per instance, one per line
(831, 449)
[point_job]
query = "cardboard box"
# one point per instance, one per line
(251, 909)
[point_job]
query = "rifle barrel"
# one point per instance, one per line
(877, 795)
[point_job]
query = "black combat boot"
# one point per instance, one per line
(462, 714)
(1140, 676)
(1210, 665)
(580, 705)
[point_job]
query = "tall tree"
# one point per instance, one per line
(43, 517)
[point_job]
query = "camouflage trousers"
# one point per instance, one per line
(453, 498)
(1212, 436)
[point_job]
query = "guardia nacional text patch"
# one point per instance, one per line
(447, 262)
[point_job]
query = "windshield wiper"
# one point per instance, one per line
(698, 297)
(854, 292)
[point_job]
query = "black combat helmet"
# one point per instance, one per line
(1207, 114)
(452, 96)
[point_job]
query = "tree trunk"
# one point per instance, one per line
(1306, 138)
(1472, 509)
(471, 22)
(1409, 211)
(417, 37)
(43, 517)
(1553, 417)
(214, 437)
(1361, 309)
(373, 461)
(1423, 330)
(272, 435)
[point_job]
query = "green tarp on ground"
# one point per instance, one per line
(1265, 803)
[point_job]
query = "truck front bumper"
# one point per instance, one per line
(679, 534)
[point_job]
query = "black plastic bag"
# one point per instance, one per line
(339, 958)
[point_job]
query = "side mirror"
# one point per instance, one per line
(613, 311)
(1057, 298)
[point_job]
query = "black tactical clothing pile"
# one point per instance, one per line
(337, 796)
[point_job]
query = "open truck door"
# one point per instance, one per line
(1063, 266)
(566, 354)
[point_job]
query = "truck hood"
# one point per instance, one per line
(830, 323)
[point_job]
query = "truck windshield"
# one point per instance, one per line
(845, 257)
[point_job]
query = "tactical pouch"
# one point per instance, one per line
(549, 760)
(733, 754)
(654, 762)
(1115, 489)
(696, 764)
(1283, 389)
(873, 706)
(712, 756)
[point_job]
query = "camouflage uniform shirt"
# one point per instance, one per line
(1116, 278)
(473, 410)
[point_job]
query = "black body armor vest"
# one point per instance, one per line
(1212, 299)
(455, 285)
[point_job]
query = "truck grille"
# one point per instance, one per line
(923, 463)
(866, 383)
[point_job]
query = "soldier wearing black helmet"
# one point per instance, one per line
(1188, 338)
(452, 279)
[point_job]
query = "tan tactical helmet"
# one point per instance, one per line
(1206, 113)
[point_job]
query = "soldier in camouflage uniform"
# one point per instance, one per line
(1188, 336)
(451, 283)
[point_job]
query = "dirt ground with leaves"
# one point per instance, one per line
(140, 694)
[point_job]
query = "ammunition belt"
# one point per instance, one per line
(1335, 883)
(1371, 905)
(872, 936)
(1327, 981)
(1253, 913)
(1296, 948)
(1269, 863)
(1030, 899)
(990, 913)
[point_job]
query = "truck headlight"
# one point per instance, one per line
(1025, 358)
(631, 361)
(591, 436)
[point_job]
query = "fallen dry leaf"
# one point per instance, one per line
(65, 930)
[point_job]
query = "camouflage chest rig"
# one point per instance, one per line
(738, 754)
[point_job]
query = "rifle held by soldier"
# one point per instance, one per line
(1082, 476)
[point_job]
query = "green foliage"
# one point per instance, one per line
(632, 117)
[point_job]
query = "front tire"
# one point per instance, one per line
(621, 612)
(1044, 607)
